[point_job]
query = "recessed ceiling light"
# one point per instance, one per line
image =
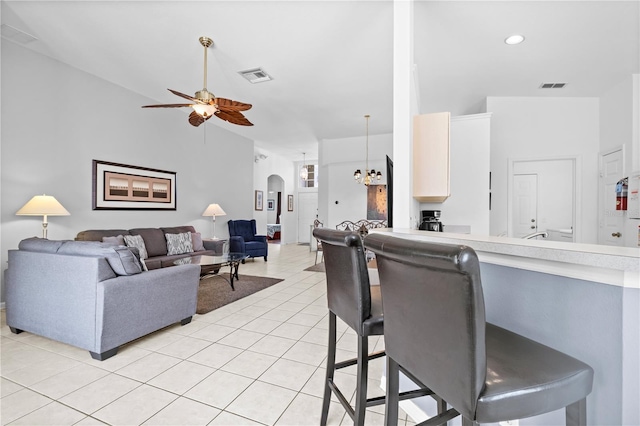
(514, 39)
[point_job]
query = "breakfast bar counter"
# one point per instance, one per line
(581, 299)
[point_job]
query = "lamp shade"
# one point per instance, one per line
(43, 205)
(214, 210)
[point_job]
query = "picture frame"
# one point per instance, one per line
(271, 204)
(258, 200)
(118, 186)
(290, 203)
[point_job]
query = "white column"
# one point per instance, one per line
(405, 208)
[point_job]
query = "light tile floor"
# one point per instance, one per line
(257, 361)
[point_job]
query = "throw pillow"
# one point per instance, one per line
(196, 240)
(116, 241)
(137, 242)
(179, 243)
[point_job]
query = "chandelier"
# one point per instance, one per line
(369, 175)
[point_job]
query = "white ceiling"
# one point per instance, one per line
(332, 60)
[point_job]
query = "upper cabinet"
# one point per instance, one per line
(431, 157)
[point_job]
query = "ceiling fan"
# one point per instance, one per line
(205, 104)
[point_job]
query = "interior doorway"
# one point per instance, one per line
(275, 188)
(610, 221)
(543, 196)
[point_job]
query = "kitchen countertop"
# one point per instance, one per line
(598, 263)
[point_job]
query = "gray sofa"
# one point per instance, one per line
(93, 295)
(155, 243)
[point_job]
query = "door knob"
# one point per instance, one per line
(533, 227)
(533, 220)
(616, 234)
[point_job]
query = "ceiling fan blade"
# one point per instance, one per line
(233, 117)
(182, 95)
(229, 105)
(167, 106)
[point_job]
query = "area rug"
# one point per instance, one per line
(316, 268)
(215, 291)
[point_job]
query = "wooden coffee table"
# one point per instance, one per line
(210, 265)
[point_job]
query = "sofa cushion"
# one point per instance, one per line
(41, 245)
(178, 229)
(179, 243)
(120, 258)
(137, 242)
(98, 234)
(196, 240)
(154, 240)
(118, 240)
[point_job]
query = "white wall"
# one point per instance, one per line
(274, 165)
(57, 119)
(338, 159)
(545, 128)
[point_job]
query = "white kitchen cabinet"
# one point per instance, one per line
(431, 157)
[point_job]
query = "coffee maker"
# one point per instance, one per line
(431, 221)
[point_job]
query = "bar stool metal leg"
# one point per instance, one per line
(361, 390)
(331, 366)
(392, 390)
(576, 413)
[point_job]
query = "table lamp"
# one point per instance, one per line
(214, 210)
(43, 205)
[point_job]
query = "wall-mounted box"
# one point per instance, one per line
(431, 157)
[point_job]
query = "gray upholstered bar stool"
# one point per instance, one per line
(435, 328)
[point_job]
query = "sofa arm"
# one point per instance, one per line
(217, 246)
(132, 306)
(236, 245)
(261, 238)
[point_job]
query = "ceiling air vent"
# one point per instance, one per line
(255, 75)
(552, 85)
(16, 35)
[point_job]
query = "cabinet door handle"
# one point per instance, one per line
(616, 234)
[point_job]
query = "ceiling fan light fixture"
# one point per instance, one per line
(204, 110)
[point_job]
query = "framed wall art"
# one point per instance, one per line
(290, 203)
(258, 200)
(125, 187)
(271, 204)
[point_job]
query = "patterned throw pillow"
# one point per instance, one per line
(137, 242)
(179, 243)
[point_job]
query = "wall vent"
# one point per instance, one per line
(255, 75)
(552, 85)
(16, 35)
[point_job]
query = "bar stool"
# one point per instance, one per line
(354, 301)
(435, 328)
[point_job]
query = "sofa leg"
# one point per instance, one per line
(15, 330)
(265, 258)
(104, 355)
(243, 261)
(185, 321)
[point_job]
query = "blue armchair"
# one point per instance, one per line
(243, 239)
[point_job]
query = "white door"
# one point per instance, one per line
(525, 205)
(307, 210)
(611, 220)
